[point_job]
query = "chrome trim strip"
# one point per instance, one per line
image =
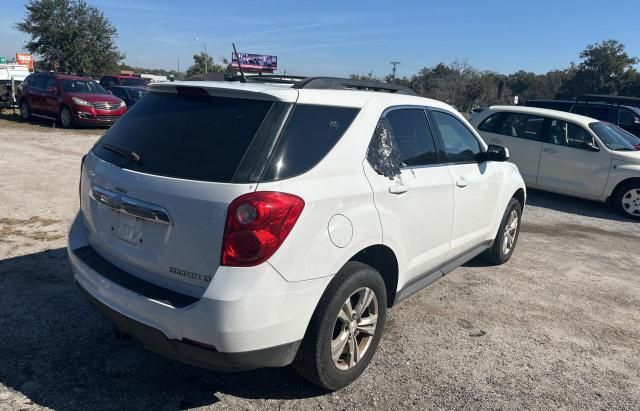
(130, 206)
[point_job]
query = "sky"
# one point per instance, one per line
(338, 38)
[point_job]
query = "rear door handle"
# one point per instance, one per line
(550, 150)
(462, 182)
(398, 189)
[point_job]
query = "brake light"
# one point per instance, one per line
(257, 224)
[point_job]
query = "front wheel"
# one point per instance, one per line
(65, 118)
(25, 110)
(507, 237)
(627, 199)
(345, 329)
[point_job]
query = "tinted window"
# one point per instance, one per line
(600, 113)
(459, 143)
(493, 123)
(196, 137)
(135, 82)
(39, 82)
(413, 137)
(51, 83)
(309, 135)
(567, 134)
(516, 125)
(118, 93)
(628, 118)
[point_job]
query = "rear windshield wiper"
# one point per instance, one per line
(122, 151)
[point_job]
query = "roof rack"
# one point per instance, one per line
(335, 83)
(609, 99)
(275, 78)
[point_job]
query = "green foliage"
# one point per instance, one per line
(606, 69)
(198, 66)
(70, 36)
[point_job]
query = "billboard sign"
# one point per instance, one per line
(24, 59)
(255, 62)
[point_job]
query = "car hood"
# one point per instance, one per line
(96, 98)
(627, 156)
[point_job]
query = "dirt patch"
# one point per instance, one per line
(14, 229)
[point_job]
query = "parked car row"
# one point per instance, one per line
(75, 100)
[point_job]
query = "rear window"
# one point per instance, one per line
(309, 135)
(135, 82)
(195, 137)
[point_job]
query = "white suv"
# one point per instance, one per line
(243, 225)
(568, 153)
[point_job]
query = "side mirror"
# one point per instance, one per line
(496, 153)
(52, 90)
(591, 146)
(109, 91)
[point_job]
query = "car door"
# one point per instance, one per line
(36, 93)
(50, 97)
(476, 184)
(413, 191)
(629, 121)
(571, 161)
(520, 133)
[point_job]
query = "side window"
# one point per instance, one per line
(628, 118)
(582, 110)
(38, 82)
(118, 93)
(460, 144)
(51, 83)
(568, 134)
(413, 137)
(493, 123)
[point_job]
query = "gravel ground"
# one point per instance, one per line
(556, 327)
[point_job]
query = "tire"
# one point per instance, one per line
(507, 237)
(25, 110)
(65, 118)
(327, 328)
(627, 199)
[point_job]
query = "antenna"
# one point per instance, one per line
(393, 71)
(242, 79)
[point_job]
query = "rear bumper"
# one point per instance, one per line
(191, 352)
(247, 318)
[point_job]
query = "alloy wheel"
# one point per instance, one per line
(354, 328)
(510, 231)
(65, 117)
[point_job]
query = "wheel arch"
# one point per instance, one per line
(618, 186)
(384, 260)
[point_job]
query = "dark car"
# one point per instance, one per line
(122, 80)
(72, 100)
(130, 95)
(625, 116)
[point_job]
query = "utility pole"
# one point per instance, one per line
(206, 60)
(393, 71)
(178, 65)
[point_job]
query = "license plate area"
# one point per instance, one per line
(127, 228)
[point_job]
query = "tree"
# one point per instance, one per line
(70, 36)
(198, 66)
(605, 69)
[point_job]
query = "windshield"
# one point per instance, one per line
(613, 137)
(82, 86)
(136, 82)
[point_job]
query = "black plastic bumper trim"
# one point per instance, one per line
(96, 262)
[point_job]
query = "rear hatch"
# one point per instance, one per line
(156, 187)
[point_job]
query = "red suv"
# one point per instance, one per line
(72, 100)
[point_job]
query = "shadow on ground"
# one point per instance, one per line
(574, 205)
(60, 353)
(13, 119)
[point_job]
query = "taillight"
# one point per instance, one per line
(257, 224)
